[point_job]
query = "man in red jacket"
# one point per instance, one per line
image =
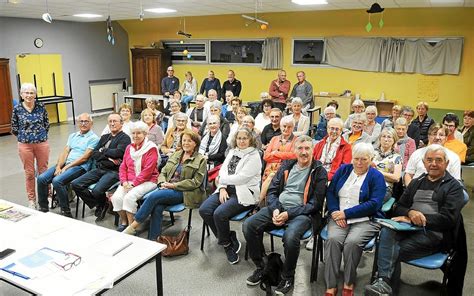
(279, 89)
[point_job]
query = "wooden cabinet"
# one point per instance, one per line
(345, 104)
(5, 97)
(384, 108)
(148, 68)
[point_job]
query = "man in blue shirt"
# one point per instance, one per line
(72, 163)
(170, 83)
(211, 82)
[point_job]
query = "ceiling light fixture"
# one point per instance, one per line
(160, 10)
(87, 15)
(46, 16)
(254, 19)
(141, 15)
(310, 2)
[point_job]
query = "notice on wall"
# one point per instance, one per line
(428, 89)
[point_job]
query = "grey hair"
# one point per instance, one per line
(180, 115)
(407, 109)
(372, 108)
(27, 86)
(249, 117)
(253, 141)
(139, 126)
(358, 102)
(401, 121)
(329, 108)
(152, 100)
(216, 104)
(89, 117)
(391, 132)
(302, 139)
(297, 100)
(212, 90)
(435, 148)
(215, 117)
(287, 120)
(200, 96)
(264, 95)
(359, 117)
(336, 121)
(363, 149)
(276, 110)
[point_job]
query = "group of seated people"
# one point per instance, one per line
(271, 165)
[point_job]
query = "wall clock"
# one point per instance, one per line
(38, 42)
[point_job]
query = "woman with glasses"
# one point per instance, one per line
(238, 189)
(263, 118)
(173, 134)
(358, 107)
(30, 125)
(240, 113)
(357, 134)
(213, 144)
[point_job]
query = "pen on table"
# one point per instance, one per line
(14, 272)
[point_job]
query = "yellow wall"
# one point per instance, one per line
(455, 91)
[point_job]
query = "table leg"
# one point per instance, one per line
(159, 274)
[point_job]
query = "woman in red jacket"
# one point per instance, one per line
(138, 174)
(333, 150)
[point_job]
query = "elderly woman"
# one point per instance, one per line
(241, 112)
(249, 122)
(215, 109)
(405, 145)
(30, 124)
(301, 121)
(279, 149)
(125, 112)
(238, 189)
(227, 107)
(372, 128)
(390, 122)
(175, 109)
(213, 144)
(333, 151)
(138, 174)
(354, 198)
(422, 123)
(387, 161)
(467, 132)
(172, 136)
(188, 89)
(181, 180)
(263, 118)
(328, 114)
(152, 105)
(358, 107)
(154, 133)
(356, 134)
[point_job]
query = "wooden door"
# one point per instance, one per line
(154, 75)
(5, 97)
(139, 75)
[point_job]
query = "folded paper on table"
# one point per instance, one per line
(399, 226)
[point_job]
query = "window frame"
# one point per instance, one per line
(239, 39)
(322, 65)
(206, 53)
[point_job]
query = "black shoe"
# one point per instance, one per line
(256, 277)
(66, 213)
(44, 210)
(102, 212)
(98, 210)
(232, 256)
(236, 245)
(284, 286)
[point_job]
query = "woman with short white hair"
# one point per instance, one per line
(354, 198)
(356, 134)
(138, 174)
(372, 128)
(213, 144)
(301, 121)
(358, 107)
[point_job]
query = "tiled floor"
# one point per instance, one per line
(208, 273)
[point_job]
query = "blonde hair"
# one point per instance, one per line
(142, 115)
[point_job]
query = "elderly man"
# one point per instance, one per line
(232, 84)
(296, 193)
(454, 141)
(437, 134)
(433, 201)
(170, 83)
(108, 155)
(211, 97)
(211, 82)
(216, 109)
(328, 114)
(72, 163)
(304, 90)
(272, 129)
(198, 114)
(279, 89)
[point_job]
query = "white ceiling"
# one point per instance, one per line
(130, 9)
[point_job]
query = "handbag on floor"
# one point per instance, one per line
(175, 245)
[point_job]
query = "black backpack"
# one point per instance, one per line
(271, 272)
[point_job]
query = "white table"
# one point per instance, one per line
(97, 271)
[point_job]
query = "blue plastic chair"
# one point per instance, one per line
(179, 208)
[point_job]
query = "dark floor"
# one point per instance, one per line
(208, 273)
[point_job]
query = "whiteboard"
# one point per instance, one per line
(102, 95)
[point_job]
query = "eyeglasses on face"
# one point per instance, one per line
(84, 122)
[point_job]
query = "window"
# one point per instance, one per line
(308, 51)
(236, 51)
(196, 51)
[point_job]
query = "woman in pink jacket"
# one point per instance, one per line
(138, 174)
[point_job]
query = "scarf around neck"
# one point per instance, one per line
(136, 155)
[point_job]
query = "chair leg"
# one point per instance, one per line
(116, 219)
(204, 226)
(318, 249)
(77, 206)
(189, 222)
(272, 244)
(83, 208)
(172, 218)
(321, 249)
(246, 252)
(313, 274)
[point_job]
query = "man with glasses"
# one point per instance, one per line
(272, 129)
(215, 108)
(108, 155)
(170, 83)
(437, 134)
(73, 162)
(279, 89)
(451, 122)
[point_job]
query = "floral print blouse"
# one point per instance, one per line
(30, 127)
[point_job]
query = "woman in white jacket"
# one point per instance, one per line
(238, 189)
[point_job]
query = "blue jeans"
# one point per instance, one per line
(103, 179)
(256, 225)
(154, 205)
(395, 247)
(185, 101)
(59, 182)
(217, 215)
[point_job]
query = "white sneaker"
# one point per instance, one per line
(310, 244)
(32, 204)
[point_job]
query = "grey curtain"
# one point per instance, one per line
(272, 54)
(395, 55)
